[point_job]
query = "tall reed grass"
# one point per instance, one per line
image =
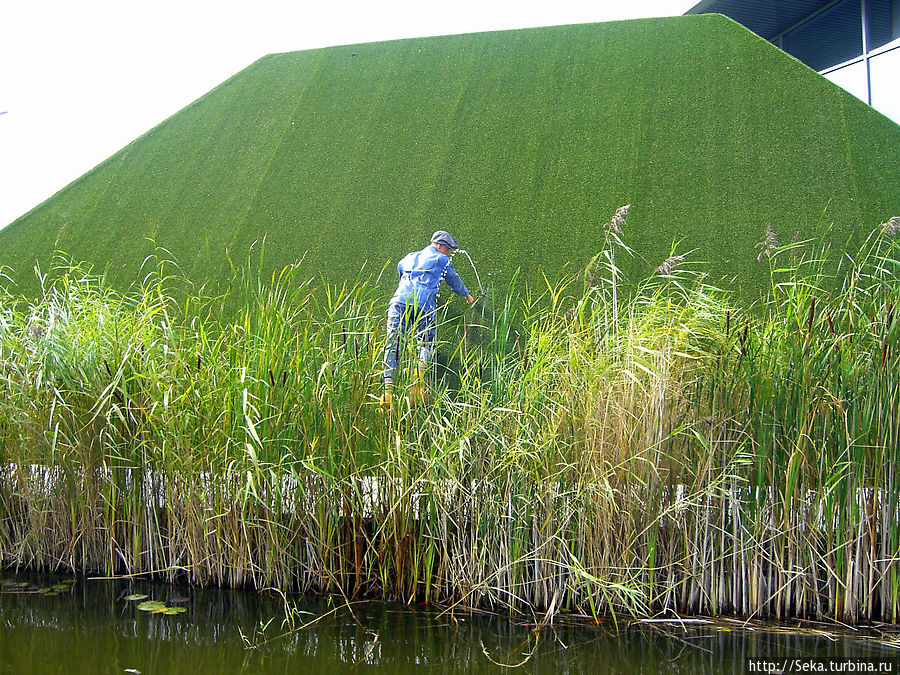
(675, 452)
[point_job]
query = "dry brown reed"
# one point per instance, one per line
(677, 455)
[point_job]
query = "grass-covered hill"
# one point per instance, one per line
(521, 143)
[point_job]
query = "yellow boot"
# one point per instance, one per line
(418, 394)
(385, 401)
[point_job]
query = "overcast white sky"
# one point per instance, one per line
(80, 80)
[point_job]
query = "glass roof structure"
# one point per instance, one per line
(853, 43)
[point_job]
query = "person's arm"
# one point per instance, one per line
(455, 283)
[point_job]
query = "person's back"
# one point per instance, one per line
(421, 273)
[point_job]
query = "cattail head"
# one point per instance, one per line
(593, 273)
(891, 227)
(768, 244)
(670, 264)
(812, 314)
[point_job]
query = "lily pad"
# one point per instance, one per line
(173, 610)
(135, 597)
(151, 606)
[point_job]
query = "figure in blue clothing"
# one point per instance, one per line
(421, 274)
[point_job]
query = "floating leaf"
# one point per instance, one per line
(61, 587)
(174, 610)
(151, 606)
(136, 596)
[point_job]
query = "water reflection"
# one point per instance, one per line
(93, 629)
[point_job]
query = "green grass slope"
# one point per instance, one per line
(521, 143)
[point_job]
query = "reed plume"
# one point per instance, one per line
(676, 453)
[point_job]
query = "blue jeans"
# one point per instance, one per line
(400, 317)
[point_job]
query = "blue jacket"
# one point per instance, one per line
(421, 274)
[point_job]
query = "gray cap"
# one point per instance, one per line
(441, 237)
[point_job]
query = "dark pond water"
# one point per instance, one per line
(90, 626)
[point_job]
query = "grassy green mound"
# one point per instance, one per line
(521, 143)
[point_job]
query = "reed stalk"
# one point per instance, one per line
(669, 452)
